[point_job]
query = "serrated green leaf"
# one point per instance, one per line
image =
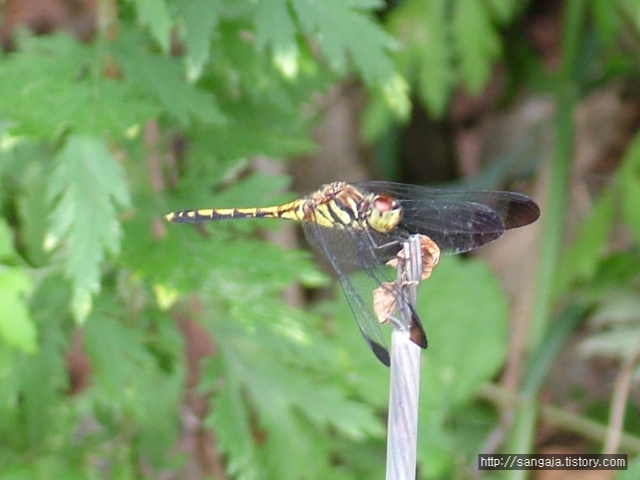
(269, 355)
(389, 103)
(156, 438)
(86, 187)
(16, 326)
(184, 259)
(339, 29)
(116, 352)
(276, 29)
(199, 19)
(30, 208)
(426, 57)
(161, 78)
(121, 362)
(155, 15)
(63, 60)
(43, 383)
(255, 190)
(71, 94)
(231, 421)
(279, 404)
(308, 456)
(477, 43)
(354, 420)
(366, 376)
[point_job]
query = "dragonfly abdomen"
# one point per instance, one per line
(290, 211)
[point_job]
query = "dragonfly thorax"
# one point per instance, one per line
(340, 205)
(384, 213)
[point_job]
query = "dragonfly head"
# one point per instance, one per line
(384, 213)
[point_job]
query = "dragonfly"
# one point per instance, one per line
(361, 227)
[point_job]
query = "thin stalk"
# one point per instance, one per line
(402, 437)
(619, 400)
(539, 365)
(554, 217)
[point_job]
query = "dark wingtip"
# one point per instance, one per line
(381, 352)
(416, 332)
(522, 213)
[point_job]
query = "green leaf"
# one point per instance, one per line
(446, 43)
(161, 78)
(633, 470)
(270, 357)
(503, 10)
(16, 326)
(426, 59)
(618, 307)
(121, 361)
(390, 101)
(606, 17)
(355, 421)
(231, 419)
(619, 343)
(464, 313)
(155, 15)
(74, 93)
(6, 241)
(365, 376)
(276, 29)
(477, 43)
(39, 103)
(43, 379)
(339, 29)
(85, 189)
(184, 259)
(199, 20)
(281, 396)
(116, 352)
(463, 310)
(629, 175)
(30, 208)
(583, 258)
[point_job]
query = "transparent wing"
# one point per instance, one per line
(355, 255)
(458, 221)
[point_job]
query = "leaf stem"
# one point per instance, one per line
(554, 220)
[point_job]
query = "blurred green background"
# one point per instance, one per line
(131, 348)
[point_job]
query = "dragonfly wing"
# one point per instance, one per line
(344, 261)
(455, 226)
(355, 257)
(458, 221)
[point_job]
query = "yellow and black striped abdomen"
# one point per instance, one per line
(292, 211)
(336, 205)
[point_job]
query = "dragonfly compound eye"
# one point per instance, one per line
(384, 214)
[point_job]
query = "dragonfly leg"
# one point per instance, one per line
(380, 246)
